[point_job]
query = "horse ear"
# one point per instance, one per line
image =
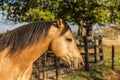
(60, 23)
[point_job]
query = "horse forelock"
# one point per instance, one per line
(18, 39)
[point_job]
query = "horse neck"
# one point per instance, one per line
(33, 52)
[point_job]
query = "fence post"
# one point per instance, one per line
(38, 67)
(86, 54)
(113, 57)
(43, 65)
(95, 50)
(100, 48)
(57, 61)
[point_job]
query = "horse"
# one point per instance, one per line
(20, 47)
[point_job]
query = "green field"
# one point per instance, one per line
(102, 72)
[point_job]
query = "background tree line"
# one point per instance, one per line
(83, 12)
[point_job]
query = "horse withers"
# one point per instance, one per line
(20, 47)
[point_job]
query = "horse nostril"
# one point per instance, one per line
(81, 63)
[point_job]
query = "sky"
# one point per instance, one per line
(10, 25)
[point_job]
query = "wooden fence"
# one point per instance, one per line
(49, 62)
(48, 66)
(113, 56)
(91, 58)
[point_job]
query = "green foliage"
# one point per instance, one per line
(27, 10)
(90, 11)
(37, 14)
(114, 8)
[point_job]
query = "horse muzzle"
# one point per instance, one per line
(76, 65)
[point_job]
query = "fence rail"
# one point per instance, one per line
(91, 43)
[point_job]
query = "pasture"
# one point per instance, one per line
(102, 72)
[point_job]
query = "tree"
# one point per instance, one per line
(24, 10)
(88, 11)
(114, 7)
(83, 12)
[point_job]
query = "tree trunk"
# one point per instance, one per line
(89, 30)
(80, 28)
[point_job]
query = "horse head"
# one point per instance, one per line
(64, 46)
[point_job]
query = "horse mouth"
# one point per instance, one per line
(76, 67)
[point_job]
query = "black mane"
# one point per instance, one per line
(20, 38)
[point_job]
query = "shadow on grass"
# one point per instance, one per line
(95, 73)
(99, 72)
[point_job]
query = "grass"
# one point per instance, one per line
(102, 72)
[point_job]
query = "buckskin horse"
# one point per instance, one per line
(20, 47)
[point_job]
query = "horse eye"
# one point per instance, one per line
(69, 39)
